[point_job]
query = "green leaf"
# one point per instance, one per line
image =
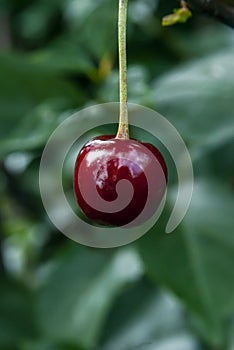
(180, 15)
(180, 341)
(198, 99)
(17, 322)
(217, 160)
(36, 20)
(35, 128)
(196, 260)
(76, 299)
(144, 315)
(205, 40)
(63, 56)
(23, 87)
(47, 345)
(86, 17)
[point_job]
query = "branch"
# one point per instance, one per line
(223, 10)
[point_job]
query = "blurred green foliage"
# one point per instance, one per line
(163, 292)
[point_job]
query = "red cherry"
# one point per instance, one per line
(101, 165)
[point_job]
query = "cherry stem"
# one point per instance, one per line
(123, 130)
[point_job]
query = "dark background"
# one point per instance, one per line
(163, 292)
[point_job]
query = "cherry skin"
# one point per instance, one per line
(100, 167)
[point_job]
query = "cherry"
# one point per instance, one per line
(102, 165)
(117, 180)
